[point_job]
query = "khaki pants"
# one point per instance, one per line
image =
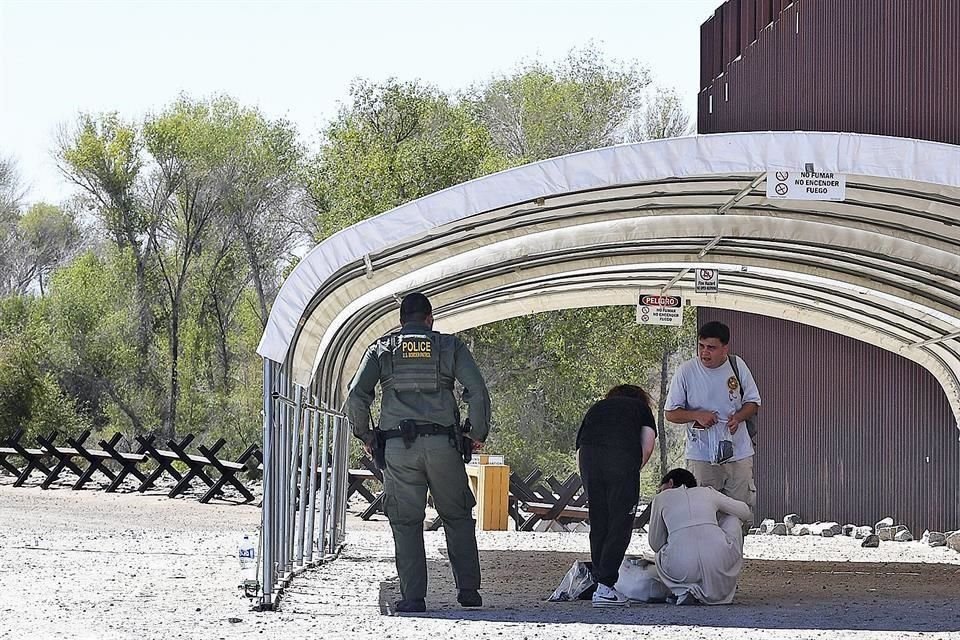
(734, 479)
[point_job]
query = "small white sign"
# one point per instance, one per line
(806, 185)
(708, 281)
(654, 308)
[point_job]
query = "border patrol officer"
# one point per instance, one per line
(422, 441)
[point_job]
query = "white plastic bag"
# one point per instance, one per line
(578, 579)
(640, 581)
(720, 442)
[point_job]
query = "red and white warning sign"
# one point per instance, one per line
(654, 308)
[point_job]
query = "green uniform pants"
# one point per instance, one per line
(432, 463)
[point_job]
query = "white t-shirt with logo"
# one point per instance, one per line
(697, 388)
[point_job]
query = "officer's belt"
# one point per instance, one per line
(423, 429)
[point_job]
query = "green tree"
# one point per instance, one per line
(103, 156)
(394, 143)
(31, 397)
(11, 246)
(89, 324)
(265, 200)
(663, 117)
(545, 110)
(50, 237)
(199, 200)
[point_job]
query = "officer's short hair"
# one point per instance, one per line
(715, 329)
(415, 307)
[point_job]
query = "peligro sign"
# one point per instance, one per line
(660, 301)
(654, 308)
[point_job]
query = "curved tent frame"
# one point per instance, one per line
(593, 228)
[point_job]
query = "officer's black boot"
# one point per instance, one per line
(469, 598)
(417, 605)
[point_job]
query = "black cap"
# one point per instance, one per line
(415, 304)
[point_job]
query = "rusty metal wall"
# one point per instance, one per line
(889, 67)
(849, 432)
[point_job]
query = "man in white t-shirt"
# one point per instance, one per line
(705, 394)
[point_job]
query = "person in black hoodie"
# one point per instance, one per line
(614, 442)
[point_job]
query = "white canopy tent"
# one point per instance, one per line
(593, 229)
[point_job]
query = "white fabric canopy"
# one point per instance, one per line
(593, 228)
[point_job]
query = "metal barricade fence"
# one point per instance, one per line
(305, 458)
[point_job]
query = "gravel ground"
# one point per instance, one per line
(85, 564)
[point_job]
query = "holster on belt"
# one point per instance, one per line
(378, 450)
(409, 430)
(466, 443)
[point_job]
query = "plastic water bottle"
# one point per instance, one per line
(248, 559)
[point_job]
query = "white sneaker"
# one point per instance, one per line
(606, 596)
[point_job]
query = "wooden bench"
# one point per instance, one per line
(558, 501)
(358, 478)
(582, 514)
(532, 504)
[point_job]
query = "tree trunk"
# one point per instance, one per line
(257, 278)
(145, 320)
(173, 394)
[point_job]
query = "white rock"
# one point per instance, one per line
(953, 541)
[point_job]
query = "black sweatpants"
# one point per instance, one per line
(613, 490)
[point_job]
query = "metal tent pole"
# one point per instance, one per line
(312, 495)
(266, 515)
(324, 486)
(303, 486)
(283, 475)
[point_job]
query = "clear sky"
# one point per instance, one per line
(295, 58)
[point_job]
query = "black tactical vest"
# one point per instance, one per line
(414, 363)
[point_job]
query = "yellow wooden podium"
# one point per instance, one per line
(490, 482)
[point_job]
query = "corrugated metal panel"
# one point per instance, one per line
(706, 52)
(717, 64)
(849, 432)
(748, 23)
(764, 15)
(869, 66)
(731, 30)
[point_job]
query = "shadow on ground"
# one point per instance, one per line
(771, 595)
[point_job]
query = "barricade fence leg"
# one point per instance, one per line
(292, 477)
(266, 515)
(341, 504)
(284, 475)
(303, 486)
(324, 486)
(312, 488)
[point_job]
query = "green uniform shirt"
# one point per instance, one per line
(439, 407)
